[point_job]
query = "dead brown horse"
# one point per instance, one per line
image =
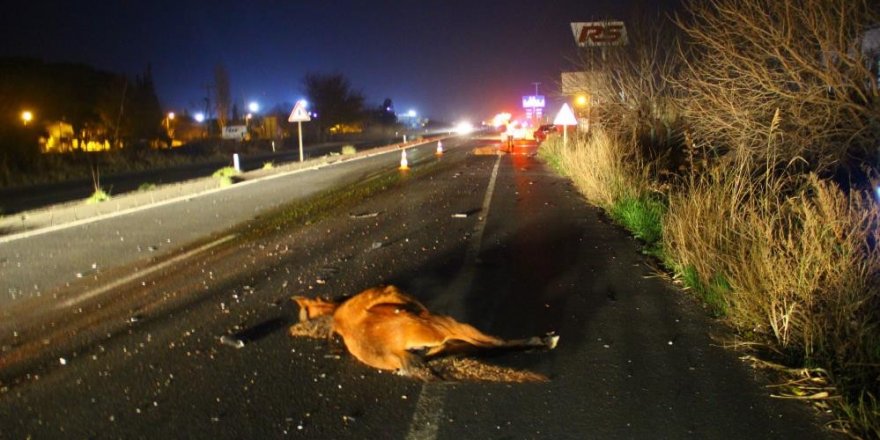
(389, 330)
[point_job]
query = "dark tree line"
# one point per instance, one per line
(99, 105)
(336, 102)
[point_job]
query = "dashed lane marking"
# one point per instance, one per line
(429, 408)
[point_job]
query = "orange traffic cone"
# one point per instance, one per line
(404, 164)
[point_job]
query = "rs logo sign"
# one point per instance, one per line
(599, 33)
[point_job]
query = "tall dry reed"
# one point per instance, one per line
(601, 166)
(801, 259)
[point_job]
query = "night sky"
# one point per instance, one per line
(446, 59)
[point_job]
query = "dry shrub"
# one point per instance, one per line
(800, 256)
(748, 59)
(601, 166)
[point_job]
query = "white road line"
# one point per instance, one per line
(429, 408)
(103, 289)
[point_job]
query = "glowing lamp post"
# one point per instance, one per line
(565, 117)
(168, 118)
(27, 117)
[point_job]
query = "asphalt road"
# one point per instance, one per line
(38, 265)
(516, 255)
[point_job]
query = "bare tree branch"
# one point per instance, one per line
(800, 58)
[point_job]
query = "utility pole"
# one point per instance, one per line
(537, 110)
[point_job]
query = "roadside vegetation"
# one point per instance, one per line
(225, 176)
(48, 168)
(743, 153)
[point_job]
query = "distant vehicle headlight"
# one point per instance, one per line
(464, 127)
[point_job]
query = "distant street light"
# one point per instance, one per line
(254, 107)
(168, 119)
(581, 100)
(27, 116)
(199, 117)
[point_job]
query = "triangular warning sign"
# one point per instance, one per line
(565, 116)
(299, 113)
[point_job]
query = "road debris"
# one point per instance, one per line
(232, 342)
(362, 215)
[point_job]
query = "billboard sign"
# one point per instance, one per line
(599, 33)
(533, 101)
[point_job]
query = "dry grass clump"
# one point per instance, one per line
(601, 166)
(773, 91)
(800, 260)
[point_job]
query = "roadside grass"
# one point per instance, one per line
(348, 150)
(712, 294)
(224, 176)
(612, 177)
(146, 186)
(98, 196)
(643, 216)
(788, 260)
(268, 165)
(801, 260)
